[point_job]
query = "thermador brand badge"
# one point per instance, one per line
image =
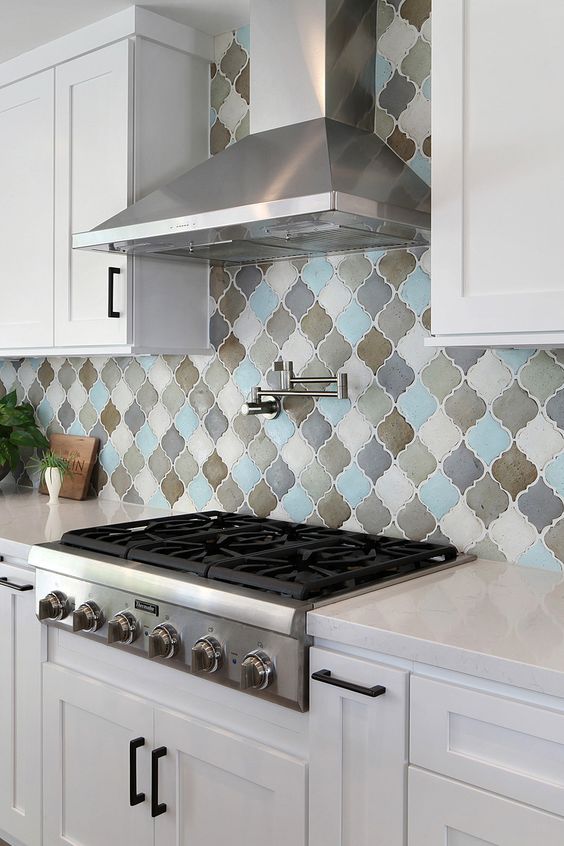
(149, 607)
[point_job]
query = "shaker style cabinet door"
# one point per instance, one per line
(26, 212)
(20, 708)
(93, 148)
(449, 813)
(92, 772)
(358, 757)
(498, 172)
(217, 788)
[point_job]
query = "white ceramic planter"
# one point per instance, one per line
(53, 480)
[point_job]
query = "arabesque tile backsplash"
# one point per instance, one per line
(467, 444)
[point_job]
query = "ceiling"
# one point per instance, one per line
(26, 24)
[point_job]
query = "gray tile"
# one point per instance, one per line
(463, 467)
(316, 430)
(395, 376)
(280, 478)
(540, 506)
(374, 460)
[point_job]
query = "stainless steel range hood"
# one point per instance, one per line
(312, 179)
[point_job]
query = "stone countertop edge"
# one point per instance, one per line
(496, 621)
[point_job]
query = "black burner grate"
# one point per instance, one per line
(289, 559)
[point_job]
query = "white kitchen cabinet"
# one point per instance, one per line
(358, 753)
(94, 113)
(26, 211)
(88, 138)
(88, 731)
(201, 784)
(222, 788)
(497, 175)
(20, 708)
(447, 813)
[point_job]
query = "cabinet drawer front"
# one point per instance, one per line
(358, 753)
(509, 747)
(452, 814)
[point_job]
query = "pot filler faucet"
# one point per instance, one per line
(268, 402)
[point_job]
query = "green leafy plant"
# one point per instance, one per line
(18, 430)
(50, 460)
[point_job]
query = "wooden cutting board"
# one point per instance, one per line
(83, 452)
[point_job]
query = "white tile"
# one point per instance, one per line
(489, 376)
(540, 440)
(440, 435)
(512, 533)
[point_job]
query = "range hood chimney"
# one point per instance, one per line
(312, 178)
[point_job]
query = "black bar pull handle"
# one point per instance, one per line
(112, 273)
(4, 582)
(135, 798)
(157, 808)
(326, 677)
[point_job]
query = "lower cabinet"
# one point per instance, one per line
(118, 769)
(358, 752)
(20, 708)
(448, 813)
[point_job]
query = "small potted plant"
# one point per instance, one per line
(53, 469)
(18, 430)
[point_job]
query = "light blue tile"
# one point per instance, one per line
(200, 491)
(426, 88)
(515, 359)
(554, 475)
(247, 376)
(422, 166)
(416, 291)
(109, 458)
(297, 504)
(439, 495)
(539, 556)
(417, 404)
(353, 485)
(77, 428)
(44, 413)
(213, 116)
(187, 421)
(36, 363)
(243, 36)
(488, 439)
(99, 396)
(374, 256)
(280, 430)
(246, 474)
(317, 273)
(334, 409)
(147, 361)
(354, 322)
(158, 500)
(264, 301)
(146, 440)
(384, 72)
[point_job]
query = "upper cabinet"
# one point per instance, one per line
(78, 143)
(498, 199)
(26, 211)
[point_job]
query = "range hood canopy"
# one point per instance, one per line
(312, 179)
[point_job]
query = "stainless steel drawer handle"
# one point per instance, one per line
(14, 585)
(326, 677)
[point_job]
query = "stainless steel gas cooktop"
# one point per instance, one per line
(220, 595)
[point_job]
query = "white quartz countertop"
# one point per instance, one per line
(26, 518)
(501, 622)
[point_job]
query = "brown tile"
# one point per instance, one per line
(186, 375)
(234, 61)
(334, 456)
(230, 495)
(515, 408)
(514, 471)
(46, 374)
(121, 480)
(427, 146)
(402, 144)
(172, 487)
(373, 515)
(416, 12)
(374, 349)
(415, 521)
(333, 509)
(220, 138)
(417, 462)
(232, 304)
(215, 470)
(243, 83)
(465, 407)
(395, 432)
(396, 266)
(219, 281)
(316, 324)
(232, 353)
(261, 500)
(110, 418)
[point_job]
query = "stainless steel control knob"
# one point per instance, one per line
(88, 617)
(123, 628)
(257, 671)
(206, 655)
(54, 606)
(164, 641)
